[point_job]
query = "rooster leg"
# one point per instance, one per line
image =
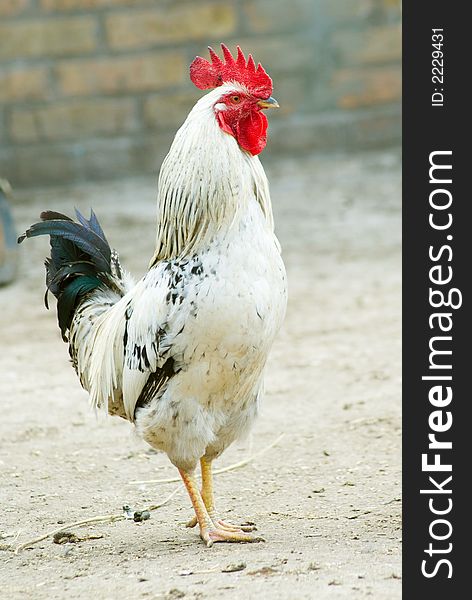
(209, 501)
(210, 532)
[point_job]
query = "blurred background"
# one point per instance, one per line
(95, 89)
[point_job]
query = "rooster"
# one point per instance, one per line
(181, 353)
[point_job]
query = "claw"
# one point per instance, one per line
(246, 527)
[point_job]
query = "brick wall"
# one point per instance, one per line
(97, 88)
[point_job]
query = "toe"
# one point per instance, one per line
(224, 535)
(248, 526)
(231, 527)
(222, 524)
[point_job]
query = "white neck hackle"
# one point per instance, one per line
(205, 183)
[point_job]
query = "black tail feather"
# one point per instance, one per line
(82, 237)
(80, 260)
(48, 215)
(91, 224)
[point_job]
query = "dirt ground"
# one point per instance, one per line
(326, 497)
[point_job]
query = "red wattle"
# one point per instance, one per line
(250, 131)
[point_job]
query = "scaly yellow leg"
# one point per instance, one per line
(207, 485)
(209, 501)
(209, 531)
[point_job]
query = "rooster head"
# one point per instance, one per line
(246, 92)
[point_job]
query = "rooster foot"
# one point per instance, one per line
(212, 529)
(210, 535)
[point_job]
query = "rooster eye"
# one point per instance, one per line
(235, 99)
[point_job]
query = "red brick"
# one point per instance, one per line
(23, 127)
(169, 111)
(54, 37)
(109, 75)
(263, 16)
(291, 95)
(23, 83)
(373, 45)
(84, 159)
(356, 88)
(360, 12)
(190, 21)
(69, 120)
(10, 8)
(345, 10)
(71, 5)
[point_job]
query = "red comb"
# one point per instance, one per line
(206, 75)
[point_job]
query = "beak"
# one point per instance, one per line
(268, 103)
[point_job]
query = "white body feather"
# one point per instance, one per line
(206, 312)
